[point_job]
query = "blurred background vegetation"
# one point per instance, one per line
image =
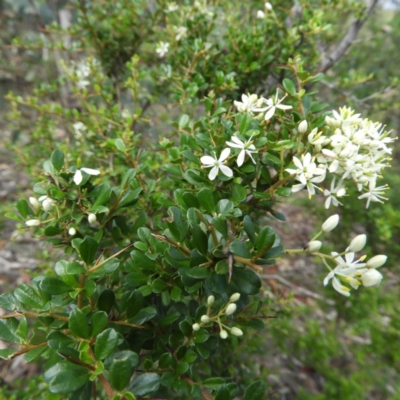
(317, 344)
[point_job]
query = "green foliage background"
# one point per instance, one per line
(314, 349)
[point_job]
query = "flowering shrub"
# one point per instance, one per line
(163, 240)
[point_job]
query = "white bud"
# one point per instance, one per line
(47, 206)
(235, 297)
(303, 126)
(223, 334)
(236, 331)
(371, 278)
(196, 326)
(230, 309)
(260, 14)
(357, 243)
(268, 6)
(205, 318)
(330, 223)
(314, 245)
(34, 203)
(92, 218)
(377, 261)
(33, 222)
(210, 300)
(72, 231)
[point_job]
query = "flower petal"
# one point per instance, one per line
(224, 155)
(226, 170)
(90, 171)
(269, 114)
(78, 177)
(213, 173)
(240, 159)
(236, 146)
(208, 161)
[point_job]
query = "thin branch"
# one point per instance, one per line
(348, 39)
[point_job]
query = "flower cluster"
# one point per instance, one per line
(350, 149)
(347, 270)
(209, 320)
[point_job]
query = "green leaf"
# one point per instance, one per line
(130, 197)
(87, 249)
(256, 391)
(144, 384)
(34, 353)
(107, 268)
(23, 208)
(65, 377)
(289, 86)
(121, 370)
(194, 178)
(183, 121)
(78, 324)
(239, 193)
(284, 191)
(49, 167)
(249, 228)
(214, 383)
(54, 286)
(5, 353)
(8, 330)
(7, 302)
(198, 272)
(99, 322)
(128, 177)
(57, 159)
(244, 123)
(206, 200)
(102, 194)
(106, 300)
(246, 281)
(224, 207)
(223, 394)
(265, 238)
(239, 248)
(200, 239)
(22, 330)
(143, 316)
(28, 296)
(222, 267)
(106, 343)
(120, 145)
(176, 224)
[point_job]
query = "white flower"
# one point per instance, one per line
(230, 309)
(268, 6)
(371, 278)
(210, 300)
(181, 32)
(223, 334)
(78, 174)
(249, 104)
(236, 331)
(303, 126)
(79, 128)
(260, 14)
(374, 194)
(358, 243)
(196, 326)
(335, 192)
(171, 7)
(377, 261)
(246, 148)
(331, 223)
(205, 318)
(162, 49)
(32, 222)
(234, 298)
(34, 203)
(47, 205)
(216, 165)
(273, 104)
(92, 219)
(348, 261)
(313, 246)
(72, 231)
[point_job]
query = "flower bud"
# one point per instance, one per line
(34, 203)
(230, 309)
(92, 218)
(235, 297)
(47, 206)
(330, 223)
(357, 243)
(196, 326)
(268, 6)
(205, 318)
(72, 231)
(371, 278)
(236, 331)
(314, 245)
(210, 300)
(260, 14)
(377, 261)
(223, 334)
(33, 222)
(303, 126)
